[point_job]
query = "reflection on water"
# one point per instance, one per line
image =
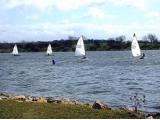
(111, 76)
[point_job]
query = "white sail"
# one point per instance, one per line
(136, 51)
(15, 50)
(80, 49)
(49, 50)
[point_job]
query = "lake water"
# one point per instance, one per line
(110, 76)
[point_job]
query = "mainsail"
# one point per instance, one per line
(80, 49)
(136, 51)
(49, 50)
(15, 50)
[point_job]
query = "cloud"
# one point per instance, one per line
(96, 12)
(32, 17)
(15, 3)
(74, 17)
(153, 14)
(140, 4)
(152, 18)
(50, 31)
(93, 13)
(68, 5)
(63, 5)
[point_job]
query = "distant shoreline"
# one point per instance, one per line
(74, 51)
(69, 46)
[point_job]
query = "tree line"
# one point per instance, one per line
(148, 42)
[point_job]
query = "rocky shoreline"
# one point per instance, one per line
(96, 105)
(22, 98)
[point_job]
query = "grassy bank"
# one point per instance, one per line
(14, 109)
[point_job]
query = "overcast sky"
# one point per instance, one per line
(57, 19)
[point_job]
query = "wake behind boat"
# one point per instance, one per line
(15, 51)
(136, 51)
(80, 50)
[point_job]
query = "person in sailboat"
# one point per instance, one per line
(84, 57)
(142, 56)
(53, 62)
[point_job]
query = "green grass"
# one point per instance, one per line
(13, 109)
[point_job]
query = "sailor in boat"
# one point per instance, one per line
(142, 56)
(53, 62)
(84, 57)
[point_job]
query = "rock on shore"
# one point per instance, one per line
(100, 105)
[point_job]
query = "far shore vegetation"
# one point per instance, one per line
(148, 42)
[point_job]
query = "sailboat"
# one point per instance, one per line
(15, 50)
(80, 49)
(49, 50)
(136, 51)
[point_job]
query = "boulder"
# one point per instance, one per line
(155, 115)
(58, 101)
(66, 101)
(29, 99)
(42, 100)
(150, 117)
(19, 97)
(126, 108)
(34, 98)
(53, 100)
(50, 99)
(100, 105)
(75, 102)
(3, 97)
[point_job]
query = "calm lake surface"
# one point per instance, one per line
(110, 76)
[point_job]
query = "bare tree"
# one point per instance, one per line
(152, 38)
(120, 38)
(72, 38)
(145, 38)
(138, 101)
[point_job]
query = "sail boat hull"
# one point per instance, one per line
(82, 60)
(16, 55)
(48, 54)
(142, 56)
